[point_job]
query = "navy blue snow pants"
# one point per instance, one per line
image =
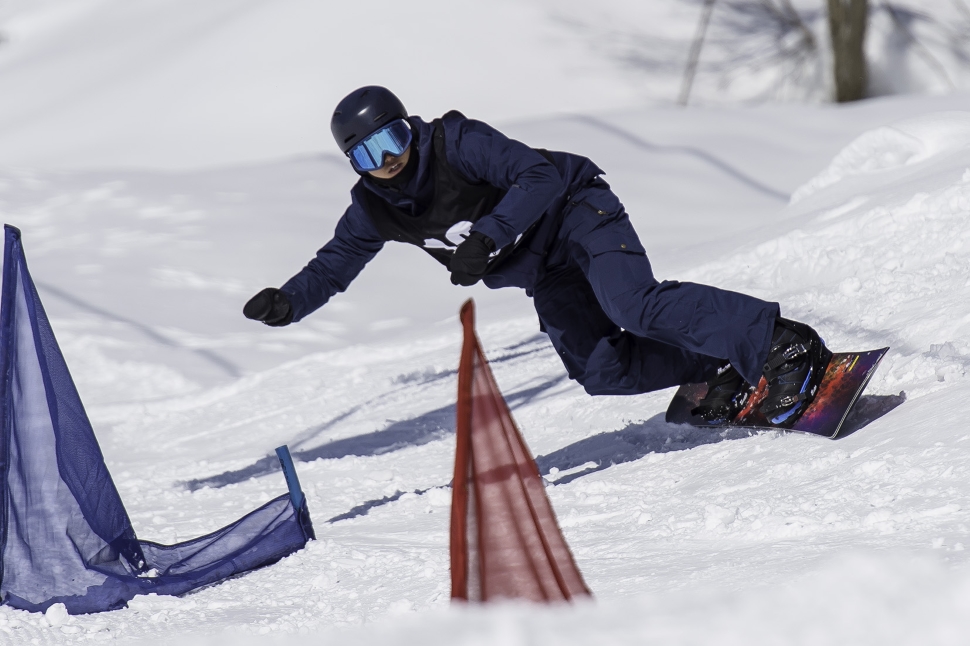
(621, 332)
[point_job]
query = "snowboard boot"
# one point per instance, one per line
(727, 393)
(794, 369)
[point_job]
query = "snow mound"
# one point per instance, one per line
(878, 259)
(904, 143)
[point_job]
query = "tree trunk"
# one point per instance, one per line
(847, 22)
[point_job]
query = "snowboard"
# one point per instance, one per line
(845, 378)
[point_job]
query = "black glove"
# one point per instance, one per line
(470, 261)
(271, 306)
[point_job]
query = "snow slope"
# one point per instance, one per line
(685, 536)
(180, 84)
(167, 259)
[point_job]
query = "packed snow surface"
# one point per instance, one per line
(854, 218)
(684, 535)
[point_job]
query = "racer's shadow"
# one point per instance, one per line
(417, 431)
(656, 436)
(600, 452)
(428, 427)
(640, 439)
(628, 444)
(576, 460)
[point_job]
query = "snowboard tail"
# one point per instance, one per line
(846, 376)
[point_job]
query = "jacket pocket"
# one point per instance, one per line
(614, 241)
(600, 203)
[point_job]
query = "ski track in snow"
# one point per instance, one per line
(684, 535)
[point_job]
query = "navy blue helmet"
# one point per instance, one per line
(363, 112)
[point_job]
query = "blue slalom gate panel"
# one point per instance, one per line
(65, 536)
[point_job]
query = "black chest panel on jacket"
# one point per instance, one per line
(457, 205)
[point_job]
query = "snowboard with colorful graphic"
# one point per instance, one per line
(845, 378)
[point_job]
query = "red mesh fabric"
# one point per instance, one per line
(505, 542)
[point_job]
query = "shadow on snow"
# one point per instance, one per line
(428, 427)
(604, 450)
(868, 409)
(589, 455)
(638, 439)
(600, 452)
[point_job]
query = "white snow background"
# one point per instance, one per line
(167, 160)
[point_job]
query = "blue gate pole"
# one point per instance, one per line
(289, 472)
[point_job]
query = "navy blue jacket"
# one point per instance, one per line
(535, 189)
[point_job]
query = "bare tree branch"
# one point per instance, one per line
(796, 20)
(695, 51)
(921, 49)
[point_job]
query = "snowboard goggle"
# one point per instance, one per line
(393, 139)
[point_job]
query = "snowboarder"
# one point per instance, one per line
(492, 209)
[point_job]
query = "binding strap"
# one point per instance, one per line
(779, 360)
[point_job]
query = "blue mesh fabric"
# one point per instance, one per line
(65, 536)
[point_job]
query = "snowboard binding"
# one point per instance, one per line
(794, 369)
(845, 377)
(727, 395)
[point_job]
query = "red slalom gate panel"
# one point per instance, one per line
(505, 542)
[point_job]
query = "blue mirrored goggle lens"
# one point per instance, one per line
(393, 139)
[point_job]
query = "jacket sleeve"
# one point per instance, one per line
(482, 153)
(354, 243)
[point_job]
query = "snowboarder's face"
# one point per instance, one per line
(392, 165)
